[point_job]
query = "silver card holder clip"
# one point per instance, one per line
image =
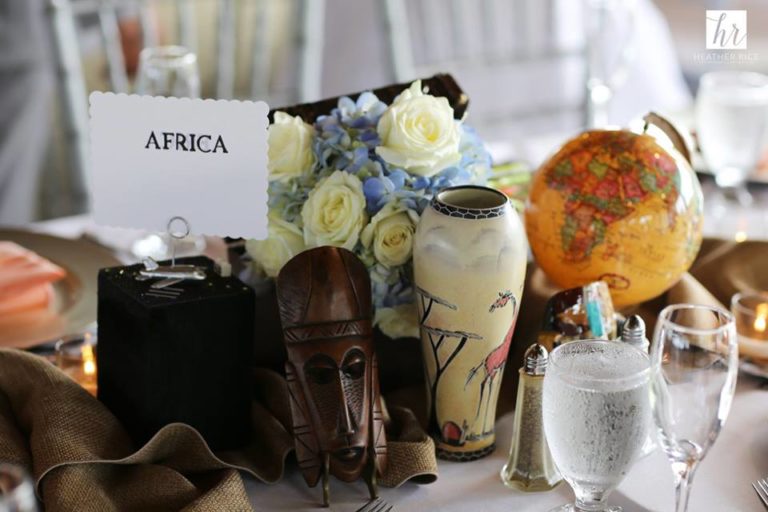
(182, 272)
(176, 273)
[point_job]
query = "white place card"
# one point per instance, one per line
(157, 158)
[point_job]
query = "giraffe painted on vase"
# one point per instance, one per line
(493, 364)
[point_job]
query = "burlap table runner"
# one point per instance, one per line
(83, 460)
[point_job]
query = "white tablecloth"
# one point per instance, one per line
(721, 484)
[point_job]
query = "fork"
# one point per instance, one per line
(380, 505)
(761, 488)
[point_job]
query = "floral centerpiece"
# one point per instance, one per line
(359, 178)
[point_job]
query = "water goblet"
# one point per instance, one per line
(597, 411)
(694, 361)
(731, 123)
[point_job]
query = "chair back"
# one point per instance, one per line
(245, 61)
(524, 75)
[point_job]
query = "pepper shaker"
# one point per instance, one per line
(530, 467)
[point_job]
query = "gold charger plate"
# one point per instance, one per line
(75, 296)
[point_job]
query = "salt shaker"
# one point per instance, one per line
(530, 467)
(634, 334)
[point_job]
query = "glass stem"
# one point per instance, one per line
(683, 479)
(589, 500)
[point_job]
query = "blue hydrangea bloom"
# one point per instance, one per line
(346, 140)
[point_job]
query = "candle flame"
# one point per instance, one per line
(761, 321)
(89, 362)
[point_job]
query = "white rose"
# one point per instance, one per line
(418, 133)
(334, 214)
(284, 241)
(390, 233)
(398, 322)
(290, 147)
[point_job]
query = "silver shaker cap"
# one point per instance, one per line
(536, 359)
(634, 331)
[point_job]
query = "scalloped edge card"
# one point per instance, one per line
(155, 158)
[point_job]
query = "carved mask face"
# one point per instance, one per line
(325, 307)
(337, 388)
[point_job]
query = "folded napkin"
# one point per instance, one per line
(728, 268)
(26, 294)
(82, 459)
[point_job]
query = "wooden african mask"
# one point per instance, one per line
(324, 297)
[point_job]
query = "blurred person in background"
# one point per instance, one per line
(26, 87)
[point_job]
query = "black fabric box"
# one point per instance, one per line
(184, 359)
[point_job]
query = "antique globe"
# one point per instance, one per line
(617, 206)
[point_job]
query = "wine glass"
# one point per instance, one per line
(731, 123)
(610, 35)
(597, 412)
(168, 71)
(16, 491)
(694, 361)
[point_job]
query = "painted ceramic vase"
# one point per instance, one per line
(469, 262)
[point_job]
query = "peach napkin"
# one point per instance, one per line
(27, 295)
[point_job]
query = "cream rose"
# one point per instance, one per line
(290, 147)
(398, 322)
(334, 214)
(284, 241)
(390, 234)
(418, 133)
